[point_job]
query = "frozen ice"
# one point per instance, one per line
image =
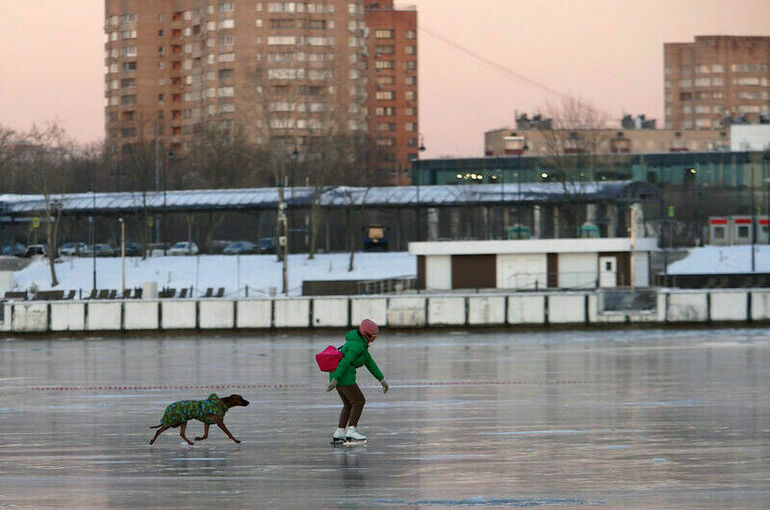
(545, 419)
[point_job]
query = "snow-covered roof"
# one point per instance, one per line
(331, 197)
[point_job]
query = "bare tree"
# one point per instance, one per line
(577, 147)
(45, 162)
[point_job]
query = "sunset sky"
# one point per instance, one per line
(607, 52)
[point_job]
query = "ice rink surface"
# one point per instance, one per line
(582, 419)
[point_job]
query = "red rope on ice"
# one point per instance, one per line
(296, 386)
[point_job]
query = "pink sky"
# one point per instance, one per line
(608, 52)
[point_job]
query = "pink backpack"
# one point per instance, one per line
(328, 359)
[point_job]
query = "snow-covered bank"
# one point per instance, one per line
(234, 273)
(723, 259)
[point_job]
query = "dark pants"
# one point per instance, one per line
(353, 404)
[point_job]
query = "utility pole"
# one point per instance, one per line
(283, 239)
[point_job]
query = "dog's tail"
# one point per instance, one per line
(157, 426)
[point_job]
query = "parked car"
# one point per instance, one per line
(132, 250)
(100, 250)
(72, 249)
(240, 248)
(183, 248)
(13, 250)
(35, 249)
(266, 245)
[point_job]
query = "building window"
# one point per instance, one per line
(227, 23)
(411, 34)
(386, 126)
(128, 34)
(383, 34)
(281, 40)
(717, 68)
(128, 51)
(226, 40)
(127, 18)
(385, 95)
(410, 50)
(160, 98)
(411, 127)
(410, 65)
(385, 111)
(386, 49)
(410, 111)
(227, 7)
(128, 100)
(385, 80)
(702, 82)
(409, 95)
(128, 66)
(687, 82)
(280, 7)
(226, 92)
(384, 64)
(127, 82)
(226, 74)
(385, 142)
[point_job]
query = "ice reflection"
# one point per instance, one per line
(623, 419)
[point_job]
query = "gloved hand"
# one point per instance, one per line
(332, 385)
(384, 386)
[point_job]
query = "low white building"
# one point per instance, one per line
(534, 264)
(750, 137)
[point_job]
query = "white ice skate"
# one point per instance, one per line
(339, 436)
(354, 437)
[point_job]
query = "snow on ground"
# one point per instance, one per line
(234, 273)
(723, 259)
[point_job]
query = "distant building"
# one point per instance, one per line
(291, 72)
(534, 142)
(392, 87)
(750, 138)
(716, 81)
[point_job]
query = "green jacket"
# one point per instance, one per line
(356, 354)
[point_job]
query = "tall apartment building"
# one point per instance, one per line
(716, 81)
(392, 86)
(287, 71)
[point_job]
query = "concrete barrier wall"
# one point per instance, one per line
(104, 316)
(375, 309)
(292, 313)
(406, 312)
(68, 316)
(526, 309)
(566, 308)
(140, 315)
(5, 324)
(446, 311)
(486, 311)
(412, 311)
(254, 313)
(178, 314)
(729, 306)
(330, 312)
(216, 314)
(760, 305)
(687, 307)
(30, 318)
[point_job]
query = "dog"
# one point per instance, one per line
(211, 410)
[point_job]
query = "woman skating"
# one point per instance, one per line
(356, 354)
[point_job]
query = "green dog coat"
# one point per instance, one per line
(185, 410)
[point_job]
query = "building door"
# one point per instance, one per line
(608, 272)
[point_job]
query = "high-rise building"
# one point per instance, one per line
(287, 72)
(716, 81)
(392, 87)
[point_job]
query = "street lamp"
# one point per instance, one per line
(122, 257)
(524, 147)
(93, 235)
(420, 149)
